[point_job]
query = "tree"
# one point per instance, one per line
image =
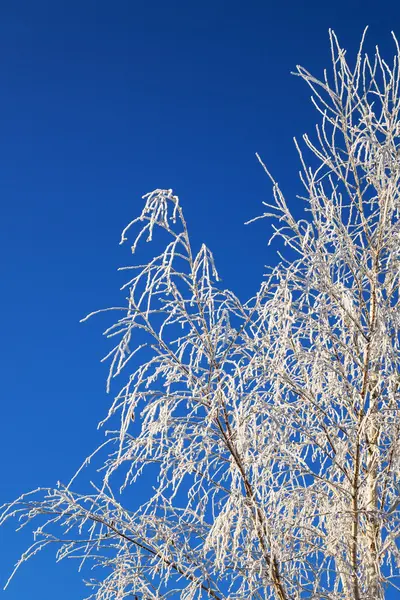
(271, 426)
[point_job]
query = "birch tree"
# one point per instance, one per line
(270, 428)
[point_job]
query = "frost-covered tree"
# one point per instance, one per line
(271, 427)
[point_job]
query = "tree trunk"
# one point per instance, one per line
(372, 566)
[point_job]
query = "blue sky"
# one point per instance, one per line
(100, 103)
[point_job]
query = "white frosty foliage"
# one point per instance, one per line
(272, 425)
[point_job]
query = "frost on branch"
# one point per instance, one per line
(270, 428)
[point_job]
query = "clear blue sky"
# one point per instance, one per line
(101, 102)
